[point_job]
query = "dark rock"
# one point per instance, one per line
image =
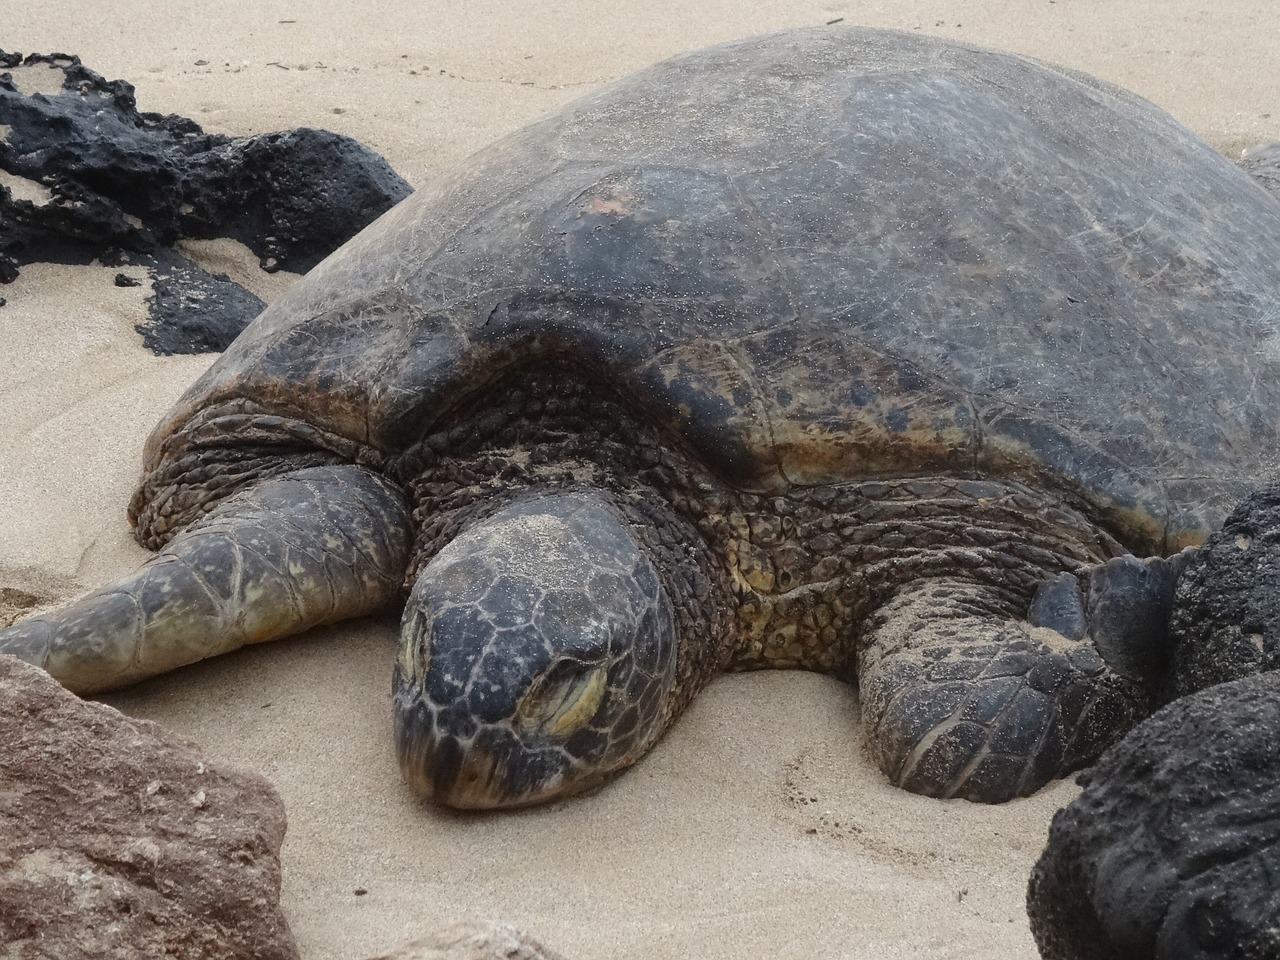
(126, 185)
(124, 280)
(1226, 616)
(191, 310)
(468, 941)
(1263, 163)
(119, 840)
(292, 197)
(1173, 849)
(1129, 609)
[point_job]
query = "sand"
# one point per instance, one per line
(758, 827)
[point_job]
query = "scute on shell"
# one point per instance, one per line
(826, 255)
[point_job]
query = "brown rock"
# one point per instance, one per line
(473, 941)
(118, 840)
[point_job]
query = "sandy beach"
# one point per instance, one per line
(758, 827)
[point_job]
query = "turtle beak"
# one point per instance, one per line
(448, 761)
(447, 756)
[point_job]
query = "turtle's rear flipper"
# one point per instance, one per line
(307, 548)
(961, 697)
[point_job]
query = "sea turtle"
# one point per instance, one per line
(855, 351)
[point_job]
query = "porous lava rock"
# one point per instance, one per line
(119, 841)
(191, 310)
(1226, 615)
(111, 183)
(471, 941)
(1172, 851)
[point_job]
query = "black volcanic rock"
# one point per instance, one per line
(124, 186)
(191, 310)
(1173, 849)
(1226, 614)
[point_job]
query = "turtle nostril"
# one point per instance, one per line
(563, 699)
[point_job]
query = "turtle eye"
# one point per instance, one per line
(563, 699)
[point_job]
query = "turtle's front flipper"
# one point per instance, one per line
(311, 547)
(963, 697)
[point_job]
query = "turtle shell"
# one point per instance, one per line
(822, 256)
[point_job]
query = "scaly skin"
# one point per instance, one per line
(291, 553)
(917, 587)
(961, 697)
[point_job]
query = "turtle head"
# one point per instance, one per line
(538, 655)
